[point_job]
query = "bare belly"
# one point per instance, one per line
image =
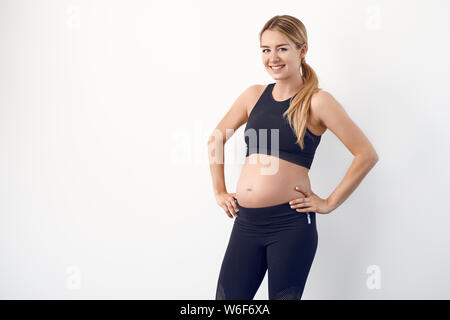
(267, 181)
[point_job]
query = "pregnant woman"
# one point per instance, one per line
(274, 207)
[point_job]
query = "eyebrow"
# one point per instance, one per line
(284, 44)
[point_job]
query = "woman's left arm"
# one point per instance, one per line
(334, 117)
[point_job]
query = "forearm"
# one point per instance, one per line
(216, 165)
(359, 168)
(218, 178)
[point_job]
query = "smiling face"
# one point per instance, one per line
(277, 50)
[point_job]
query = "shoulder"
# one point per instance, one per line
(322, 104)
(255, 92)
(249, 92)
(252, 95)
(256, 89)
(328, 111)
(320, 97)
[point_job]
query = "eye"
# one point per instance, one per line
(279, 48)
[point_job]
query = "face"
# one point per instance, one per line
(278, 50)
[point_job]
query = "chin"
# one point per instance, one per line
(279, 76)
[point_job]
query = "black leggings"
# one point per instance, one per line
(276, 238)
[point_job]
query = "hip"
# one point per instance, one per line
(274, 218)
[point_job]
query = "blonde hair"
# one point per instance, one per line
(298, 112)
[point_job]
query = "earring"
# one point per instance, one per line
(301, 69)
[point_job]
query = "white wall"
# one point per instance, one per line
(105, 110)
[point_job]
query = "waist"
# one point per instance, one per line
(270, 215)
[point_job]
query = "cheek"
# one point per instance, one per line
(292, 61)
(294, 65)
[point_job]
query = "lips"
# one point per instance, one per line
(278, 67)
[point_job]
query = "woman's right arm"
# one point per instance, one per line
(233, 119)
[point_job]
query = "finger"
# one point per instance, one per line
(307, 209)
(295, 201)
(233, 203)
(230, 209)
(300, 205)
(234, 208)
(226, 211)
(299, 190)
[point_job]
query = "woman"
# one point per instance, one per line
(275, 208)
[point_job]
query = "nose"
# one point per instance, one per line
(273, 58)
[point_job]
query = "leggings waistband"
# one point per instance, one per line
(271, 214)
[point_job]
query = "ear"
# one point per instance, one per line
(303, 50)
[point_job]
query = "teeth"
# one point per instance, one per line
(277, 67)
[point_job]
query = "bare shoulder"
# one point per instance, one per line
(254, 90)
(238, 113)
(321, 94)
(250, 96)
(321, 100)
(316, 125)
(254, 93)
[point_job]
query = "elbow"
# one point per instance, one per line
(373, 157)
(369, 157)
(211, 139)
(216, 139)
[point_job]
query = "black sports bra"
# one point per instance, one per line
(267, 115)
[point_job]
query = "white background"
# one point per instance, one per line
(105, 112)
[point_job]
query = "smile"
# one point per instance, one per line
(276, 68)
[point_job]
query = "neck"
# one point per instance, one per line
(287, 87)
